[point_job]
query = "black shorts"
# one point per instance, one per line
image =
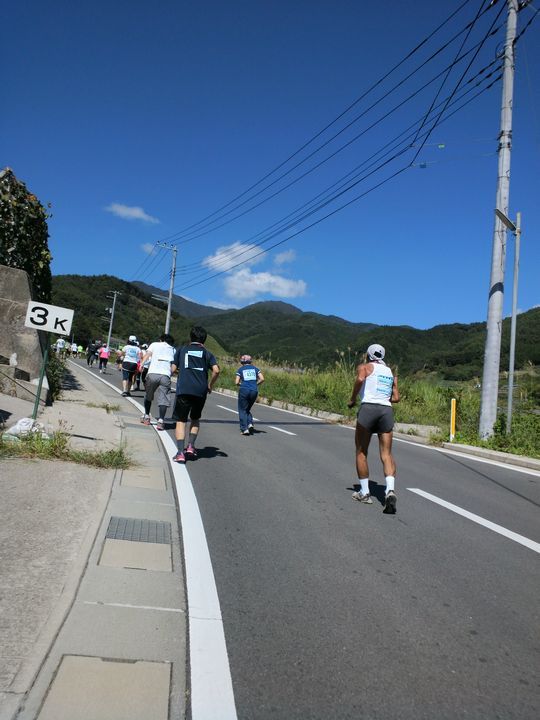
(129, 369)
(376, 418)
(188, 406)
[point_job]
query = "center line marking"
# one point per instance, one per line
(134, 607)
(228, 409)
(281, 430)
(531, 544)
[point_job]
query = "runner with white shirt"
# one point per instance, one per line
(130, 356)
(158, 379)
(378, 390)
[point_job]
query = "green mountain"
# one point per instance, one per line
(184, 307)
(287, 335)
(135, 313)
(455, 351)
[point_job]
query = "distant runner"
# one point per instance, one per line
(248, 378)
(378, 390)
(160, 355)
(103, 355)
(193, 362)
(129, 355)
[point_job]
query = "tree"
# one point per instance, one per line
(24, 234)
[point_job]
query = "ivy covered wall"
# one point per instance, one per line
(24, 234)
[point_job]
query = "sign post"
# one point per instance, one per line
(51, 319)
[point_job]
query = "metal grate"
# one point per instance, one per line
(150, 531)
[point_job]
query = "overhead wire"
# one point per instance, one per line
(353, 104)
(336, 210)
(293, 216)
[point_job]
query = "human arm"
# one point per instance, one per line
(215, 375)
(238, 379)
(362, 371)
(260, 378)
(395, 392)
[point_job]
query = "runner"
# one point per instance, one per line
(378, 390)
(129, 356)
(160, 356)
(91, 353)
(74, 349)
(248, 377)
(193, 362)
(144, 366)
(103, 354)
(61, 347)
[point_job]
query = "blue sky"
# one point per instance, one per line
(137, 121)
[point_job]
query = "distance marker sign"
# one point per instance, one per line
(50, 318)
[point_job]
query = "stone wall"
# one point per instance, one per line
(20, 380)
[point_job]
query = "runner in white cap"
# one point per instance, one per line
(378, 390)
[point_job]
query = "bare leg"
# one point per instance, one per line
(362, 438)
(385, 451)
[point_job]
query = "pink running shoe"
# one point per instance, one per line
(191, 453)
(179, 458)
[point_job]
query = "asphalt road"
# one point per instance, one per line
(332, 609)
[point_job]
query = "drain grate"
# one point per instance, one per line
(137, 530)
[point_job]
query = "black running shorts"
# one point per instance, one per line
(376, 418)
(128, 369)
(188, 406)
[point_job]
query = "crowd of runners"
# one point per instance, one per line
(153, 365)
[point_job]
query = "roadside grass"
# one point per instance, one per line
(56, 447)
(106, 406)
(423, 402)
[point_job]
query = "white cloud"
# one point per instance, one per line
(126, 212)
(285, 257)
(148, 248)
(226, 257)
(243, 285)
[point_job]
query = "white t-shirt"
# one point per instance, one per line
(131, 353)
(60, 343)
(162, 357)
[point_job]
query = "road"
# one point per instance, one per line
(332, 609)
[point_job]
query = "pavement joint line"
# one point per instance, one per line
(127, 606)
(531, 544)
(212, 693)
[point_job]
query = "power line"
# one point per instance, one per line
(336, 210)
(353, 104)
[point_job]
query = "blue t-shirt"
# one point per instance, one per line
(248, 376)
(193, 362)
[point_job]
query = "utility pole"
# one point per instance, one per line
(171, 284)
(492, 359)
(115, 293)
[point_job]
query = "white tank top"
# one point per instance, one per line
(377, 387)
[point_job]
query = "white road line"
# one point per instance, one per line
(281, 430)
(212, 694)
(133, 607)
(228, 409)
(531, 544)
(272, 407)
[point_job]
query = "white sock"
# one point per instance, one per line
(389, 483)
(364, 486)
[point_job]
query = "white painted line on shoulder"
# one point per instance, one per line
(212, 694)
(281, 430)
(227, 409)
(133, 607)
(531, 544)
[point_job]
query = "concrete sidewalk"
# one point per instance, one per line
(92, 600)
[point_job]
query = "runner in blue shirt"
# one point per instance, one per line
(248, 377)
(193, 363)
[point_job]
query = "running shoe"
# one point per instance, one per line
(251, 429)
(160, 425)
(179, 458)
(145, 419)
(366, 499)
(390, 503)
(246, 432)
(191, 453)
(125, 394)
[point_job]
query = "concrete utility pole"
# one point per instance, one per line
(115, 293)
(490, 381)
(171, 284)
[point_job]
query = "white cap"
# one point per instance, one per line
(375, 352)
(132, 338)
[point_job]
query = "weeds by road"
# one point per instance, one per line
(57, 447)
